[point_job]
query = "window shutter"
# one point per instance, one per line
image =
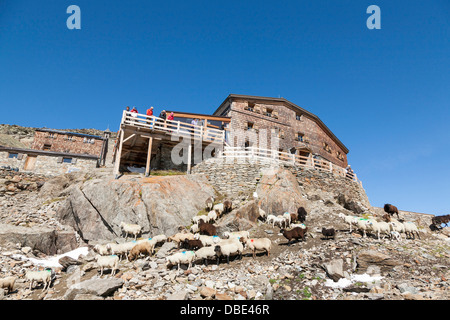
(74, 160)
(20, 156)
(59, 160)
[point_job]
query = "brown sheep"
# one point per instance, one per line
(207, 228)
(145, 247)
(192, 244)
(389, 208)
(295, 233)
(227, 206)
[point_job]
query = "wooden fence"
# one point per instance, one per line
(263, 155)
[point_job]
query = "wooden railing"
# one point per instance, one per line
(265, 155)
(175, 127)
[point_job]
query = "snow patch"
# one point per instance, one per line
(52, 262)
(344, 282)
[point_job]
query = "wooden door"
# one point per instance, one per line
(30, 163)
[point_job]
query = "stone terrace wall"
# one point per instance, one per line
(231, 177)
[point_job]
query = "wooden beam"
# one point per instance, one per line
(149, 157)
(118, 155)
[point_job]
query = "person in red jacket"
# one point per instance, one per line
(171, 116)
(150, 116)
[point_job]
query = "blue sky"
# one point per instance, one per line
(385, 93)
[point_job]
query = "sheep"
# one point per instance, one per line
(101, 249)
(301, 214)
(361, 224)
(295, 233)
(196, 219)
(257, 244)
(396, 235)
(207, 240)
(262, 214)
(109, 262)
(206, 253)
(8, 283)
(120, 248)
(144, 247)
(209, 203)
(235, 247)
(410, 229)
(194, 228)
(212, 216)
(184, 257)
(236, 234)
(439, 220)
(299, 225)
(219, 207)
(294, 217)
(159, 239)
(227, 206)
(279, 220)
(329, 233)
(178, 238)
(373, 226)
(270, 218)
(348, 219)
(40, 276)
(133, 229)
(207, 228)
(192, 244)
(397, 226)
(389, 208)
(287, 217)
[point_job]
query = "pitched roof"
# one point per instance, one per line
(288, 103)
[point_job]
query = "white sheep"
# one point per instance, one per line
(280, 221)
(397, 226)
(260, 244)
(270, 218)
(206, 253)
(299, 225)
(262, 214)
(196, 219)
(219, 207)
(120, 249)
(194, 228)
(348, 219)
(287, 217)
(185, 257)
(133, 229)
(159, 238)
(236, 234)
(178, 238)
(410, 229)
(207, 240)
(373, 226)
(212, 216)
(8, 283)
(39, 276)
(101, 249)
(235, 247)
(384, 228)
(396, 235)
(209, 203)
(108, 262)
(362, 225)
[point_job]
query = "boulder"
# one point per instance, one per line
(366, 258)
(98, 287)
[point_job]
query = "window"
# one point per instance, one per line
(67, 160)
(47, 147)
(269, 112)
(250, 125)
(250, 106)
(70, 138)
(298, 117)
(300, 136)
(339, 156)
(326, 147)
(51, 135)
(13, 155)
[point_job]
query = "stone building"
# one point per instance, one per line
(280, 123)
(55, 152)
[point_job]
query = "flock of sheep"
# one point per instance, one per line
(202, 243)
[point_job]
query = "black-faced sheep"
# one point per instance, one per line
(389, 208)
(329, 233)
(207, 228)
(209, 203)
(235, 247)
(227, 206)
(296, 234)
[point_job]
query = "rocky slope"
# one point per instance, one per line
(80, 208)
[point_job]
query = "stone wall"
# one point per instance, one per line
(231, 177)
(48, 165)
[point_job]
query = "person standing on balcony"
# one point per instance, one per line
(134, 113)
(171, 116)
(149, 116)
(163, 116)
